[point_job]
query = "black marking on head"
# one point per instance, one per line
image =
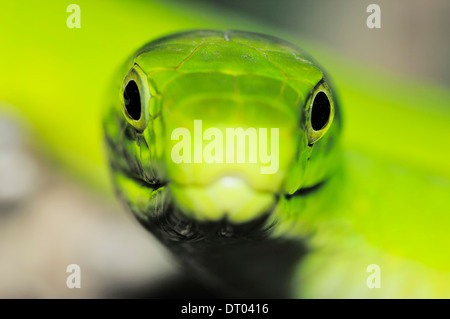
(174, 226)
(306, 190)
(130, 133)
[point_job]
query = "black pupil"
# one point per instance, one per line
(320, 111)
(132, 100)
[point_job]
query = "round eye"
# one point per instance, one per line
(135, 98)
(320, 113)
(132, 100)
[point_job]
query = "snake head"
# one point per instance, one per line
(219, 126)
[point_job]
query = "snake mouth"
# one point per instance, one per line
(174, 212)
(228, 197)
(229, 207)
(175, 224)
(230, 200)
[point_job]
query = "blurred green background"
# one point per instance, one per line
(412, 40)
(56, 203)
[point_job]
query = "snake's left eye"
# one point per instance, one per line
(132, 100)
(135, 98)
(320, 113)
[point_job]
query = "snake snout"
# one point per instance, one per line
(228, 196)
(223, 162)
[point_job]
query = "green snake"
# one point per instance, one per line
(223, 218)
(226, 80)
(382, 200)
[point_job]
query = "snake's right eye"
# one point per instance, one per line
(132, 100)
(135, 98)
(320, 113)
